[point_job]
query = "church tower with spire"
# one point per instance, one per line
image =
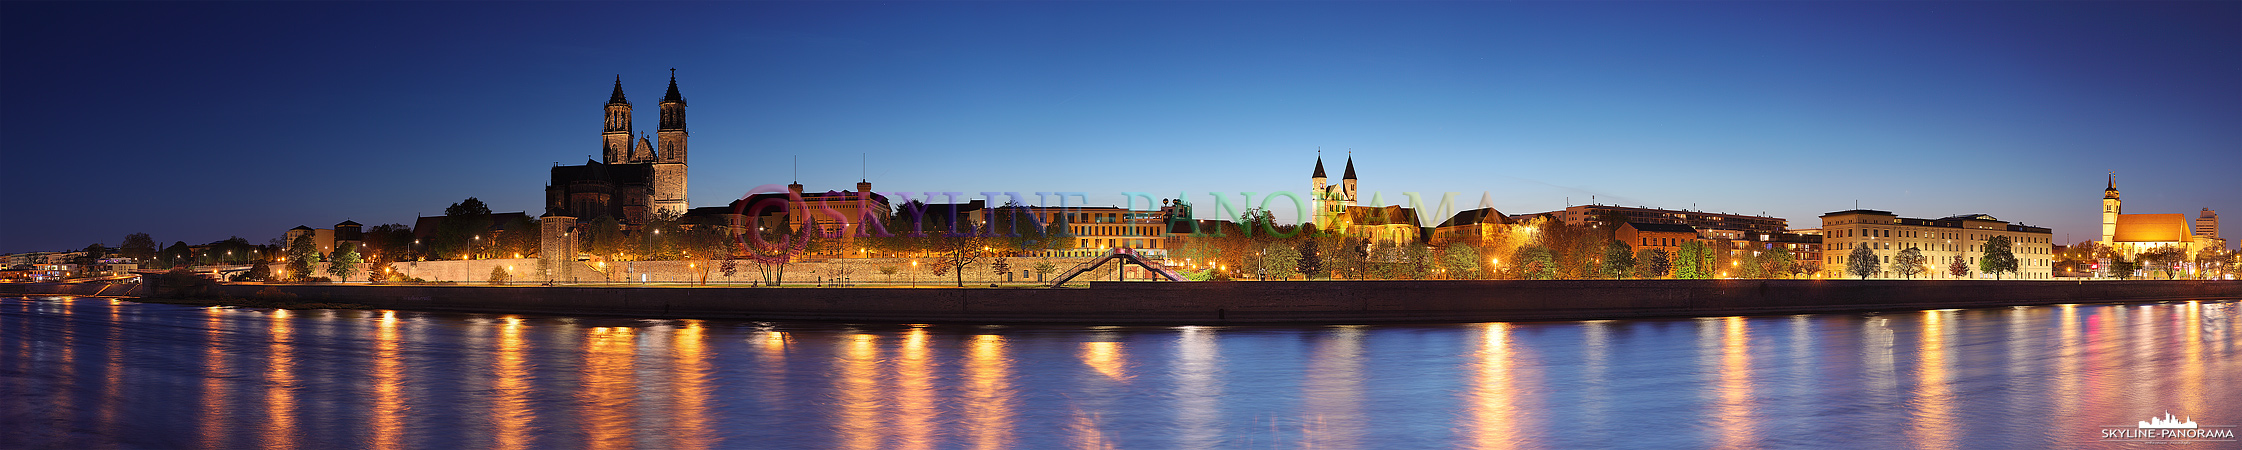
(672, 134)
(1319, 195)
(669, 162)
(1347, 182)
(2111, 208)
(1331, 201)
(616, 140)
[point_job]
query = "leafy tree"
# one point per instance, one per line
(603, 238)
(954, 253)
(1909, 262)
(343, 261)
(258, 271)
(1779, 261)
(301, 253)
(94, 254)
(1693, 261)
(178, 254)
(1345, 256)
(2210, 263)
(387, 243)
(1652, 263)
(233, 250)
(138, 246)
(779, 247)
(1997, 257)
(1619, 260)
(517, 238)
(1461, 262)
(1000, 267)
(2123, 268)
(2163, 260)
(499, 275)
(1957, 268)
(458, 234)
(1862, 262)
(1280, 260)
(1044, 269)
(1535, 263)
(1310, 264)
(1403, 261)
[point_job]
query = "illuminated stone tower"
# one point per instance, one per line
(1331, 201)
(1347, 182)
(2110, 209)
(669, 164)
(616, 140)
(672, 135)
(1321, 212)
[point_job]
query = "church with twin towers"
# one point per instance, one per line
(636, 178)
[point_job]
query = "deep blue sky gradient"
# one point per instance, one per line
(198, 121)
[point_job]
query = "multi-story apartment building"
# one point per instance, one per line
(1942, 241)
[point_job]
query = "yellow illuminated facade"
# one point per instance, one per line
(1942, 241)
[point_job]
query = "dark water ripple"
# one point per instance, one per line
(102, 373)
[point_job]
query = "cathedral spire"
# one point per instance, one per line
(673, 96)
(1319, 164)
(1350, 166)
(617, 97)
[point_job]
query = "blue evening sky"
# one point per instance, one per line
(198, 121)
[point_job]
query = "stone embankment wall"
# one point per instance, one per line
(1256, 302)
(865, 271)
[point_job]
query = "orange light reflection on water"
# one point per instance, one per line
(859, 394)
(389, 373)
(510, 403)
(1732, 410)
(1088, 428)
(1933, 424)
(1106, 358)
(1494, 406)
(215, 420)
(609, 387)
(915, 408)
(691, 382)
(280, 384)
(988, 393)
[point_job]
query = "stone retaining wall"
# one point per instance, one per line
(1252, 302)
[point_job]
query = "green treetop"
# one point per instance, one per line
(1998, 258)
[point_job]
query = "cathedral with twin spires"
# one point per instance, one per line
(634, 180)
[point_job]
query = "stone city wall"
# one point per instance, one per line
(861, 271)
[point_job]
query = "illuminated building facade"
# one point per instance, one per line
(1942, 241)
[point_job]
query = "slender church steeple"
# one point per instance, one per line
(615, 141)
(672, 134)
(2111, 208)
(1347, 182)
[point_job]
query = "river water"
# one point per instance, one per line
(105, 373)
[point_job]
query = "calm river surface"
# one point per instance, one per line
(101, 373)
